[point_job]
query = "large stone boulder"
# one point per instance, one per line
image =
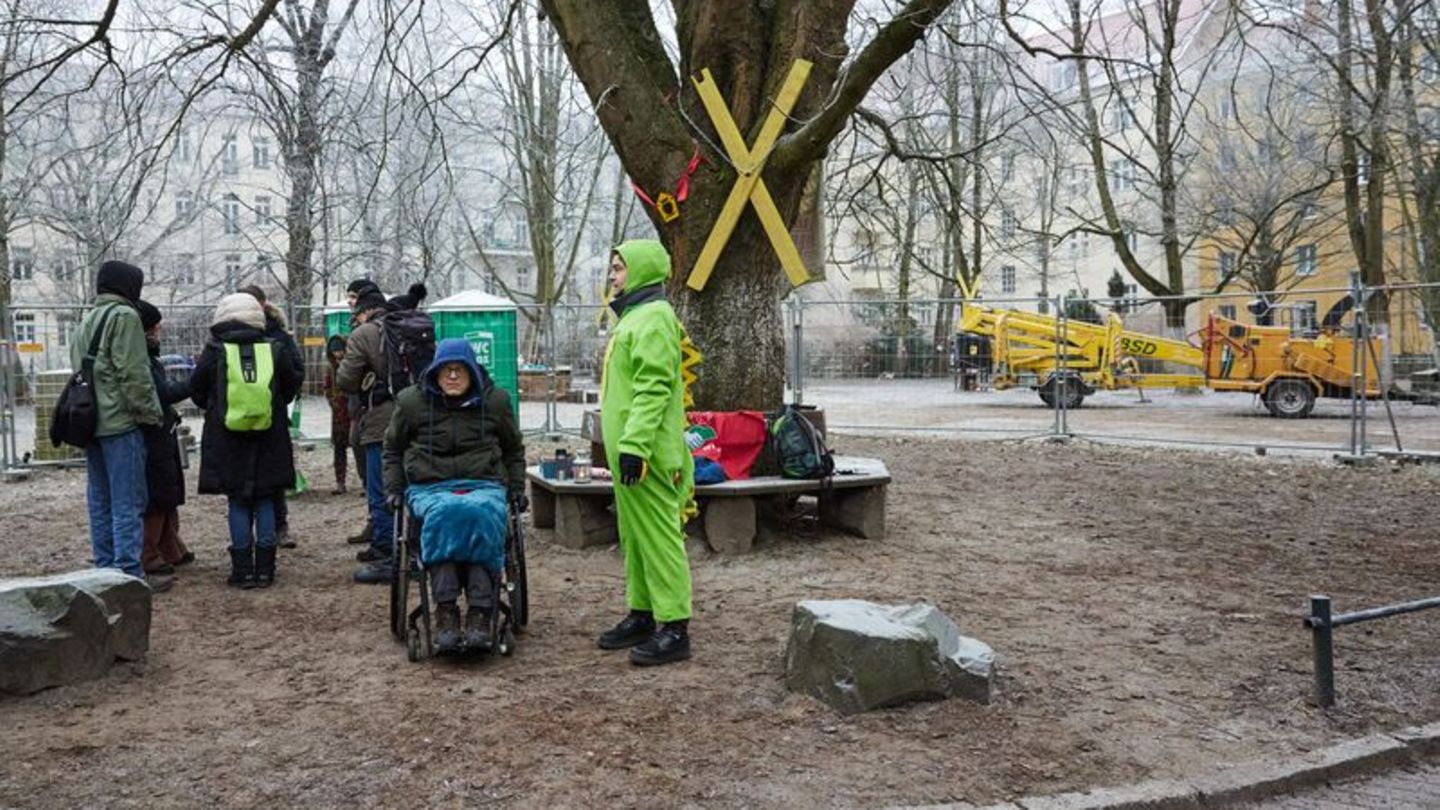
(69, 627)
(857, 655)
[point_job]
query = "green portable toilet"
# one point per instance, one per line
(337, 320)
(489, 323)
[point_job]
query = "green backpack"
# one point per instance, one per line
(247, 386)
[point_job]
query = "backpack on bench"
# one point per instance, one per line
(799, 449)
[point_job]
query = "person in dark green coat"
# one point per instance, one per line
(642, 413)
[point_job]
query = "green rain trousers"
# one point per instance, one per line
(643, 414)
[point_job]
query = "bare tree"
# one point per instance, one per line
(652, 116)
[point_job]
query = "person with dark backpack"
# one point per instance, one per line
(375, 369)
(110, 343)
(243, 382)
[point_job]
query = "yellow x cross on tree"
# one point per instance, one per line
(750, 161)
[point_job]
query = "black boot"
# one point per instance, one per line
(264, 566)
(477, 630)
(631, 630)
(242, 568)
(669, 644)
(447, 628)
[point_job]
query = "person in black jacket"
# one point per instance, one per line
(277, 331)
(239, 458)
(164, 472)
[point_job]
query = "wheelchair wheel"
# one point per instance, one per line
(506, 645)
(520, 596)
(400, 583)
(412, 648)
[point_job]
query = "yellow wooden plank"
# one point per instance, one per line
(774, 224)
(720, 233)
(719, 113)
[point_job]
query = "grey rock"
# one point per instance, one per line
(857, 656)
(69, 628)
(127, 600)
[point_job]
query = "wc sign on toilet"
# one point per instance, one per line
(483, 344)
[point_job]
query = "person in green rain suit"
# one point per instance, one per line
(642, 416)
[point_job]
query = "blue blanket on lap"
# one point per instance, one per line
(463, 521)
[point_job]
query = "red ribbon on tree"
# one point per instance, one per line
(666, 204)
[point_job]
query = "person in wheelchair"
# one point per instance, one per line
(454, 456)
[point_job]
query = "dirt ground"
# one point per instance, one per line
(1144, 606)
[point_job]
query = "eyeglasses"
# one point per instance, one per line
(453, 371)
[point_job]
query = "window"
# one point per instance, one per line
(1429, 69)
(1007, 278)
(1074, 246)
(1132, 297)
(232, 271)
(522, 233)
(1132, 236)
(65, 323)
(1121, 116)
(1075, 182)
(262, 210)
(229, 154)
(1122, 175)
(22, 264)
(1227, 159)
(185, 268)
(1305, 312)
(1225, 107)
(522, 279)
(1225, 212)
(1362, 170)
(24, 327)
(65, 269)
(184, 205)
(1227, 311)
(1226, 264)
(230, 211)
(1007, 224)
(1305, 260)
(185, 147)
(1007, 168)
(1062, 75)
(260, 150)
(262, 267)
(1309, 207)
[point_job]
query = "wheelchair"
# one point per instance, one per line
(413, 626)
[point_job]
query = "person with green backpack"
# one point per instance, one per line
(244, 382)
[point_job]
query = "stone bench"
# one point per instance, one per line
(853, 500)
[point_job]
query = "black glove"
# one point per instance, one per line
(519, 502)
(394, 502)
(632, 469)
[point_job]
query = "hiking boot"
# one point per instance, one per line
(370, 555)
(242, 568)
(264, 566)
(283, 539)
(376, 573)
(477, 629)
(159, 583)
(447, 628)
(162, 570)
(631, 630)
(185, 559)
(669, 644)
(363, 536)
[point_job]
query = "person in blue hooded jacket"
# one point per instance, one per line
(454, 453)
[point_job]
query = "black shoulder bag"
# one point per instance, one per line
(77, 412)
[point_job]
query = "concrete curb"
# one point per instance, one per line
(1245, 783)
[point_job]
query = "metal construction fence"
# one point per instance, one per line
(1030, 367)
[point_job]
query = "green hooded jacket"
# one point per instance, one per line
(642, 395)
(124, 388)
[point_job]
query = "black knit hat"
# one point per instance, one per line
(120, 278)
(360, 285)
(336, 343)
(149, 313)
(410, 300)
(253, 291)
(369, 299)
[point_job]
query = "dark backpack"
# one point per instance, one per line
(798, 447)
(407, 340)
(77, 411)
